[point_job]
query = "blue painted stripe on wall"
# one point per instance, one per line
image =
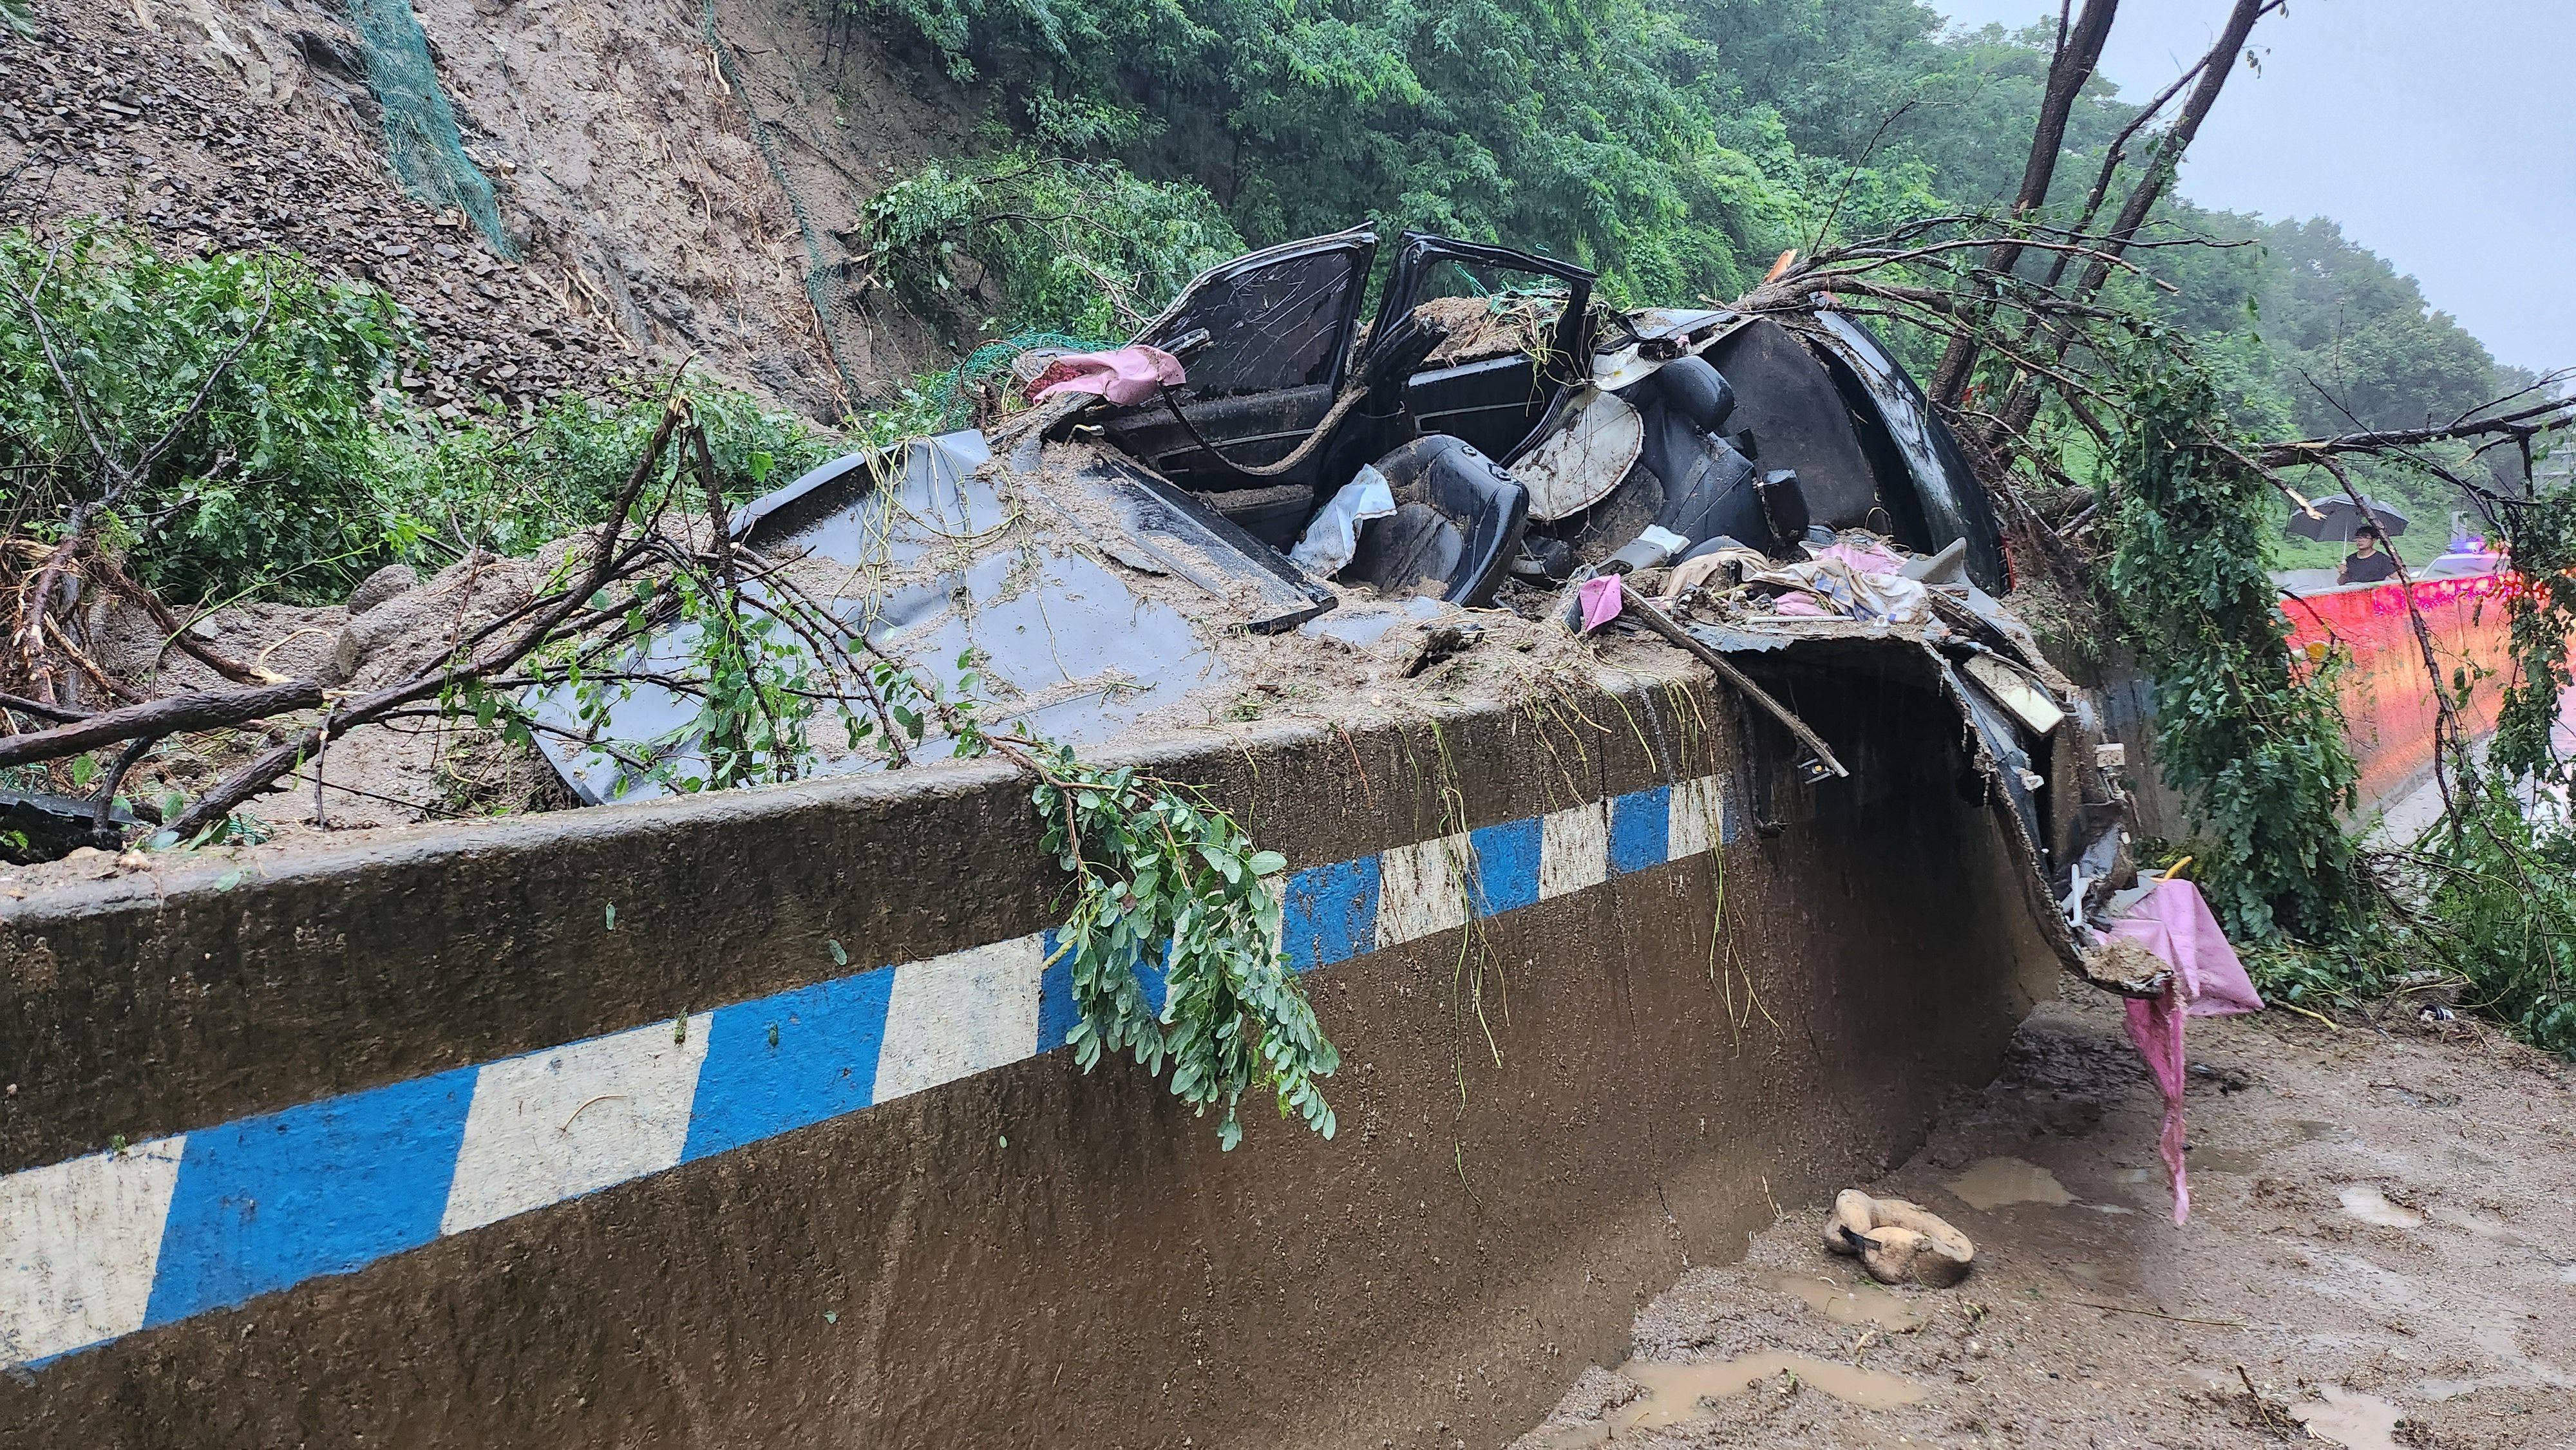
(785, 1061)
(1506, 865)
(1057, 1011)
(321, 1189)
(1328, 914)
(1640, 829)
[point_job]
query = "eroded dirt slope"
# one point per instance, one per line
(648, 226)
(2380, 1246)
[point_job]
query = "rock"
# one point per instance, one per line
(410, 629)
(380, 586)
(369, 632)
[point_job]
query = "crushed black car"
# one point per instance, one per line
(1102, 566)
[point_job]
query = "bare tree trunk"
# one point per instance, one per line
(2079, 50)
(2215, 68)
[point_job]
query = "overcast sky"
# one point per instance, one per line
(2441, 133)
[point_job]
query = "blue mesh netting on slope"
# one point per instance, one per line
(421, 139)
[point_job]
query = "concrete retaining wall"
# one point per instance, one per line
(2387, 697)
(424, 1145)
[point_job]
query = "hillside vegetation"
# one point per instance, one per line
(1677, 146)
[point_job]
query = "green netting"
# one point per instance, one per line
(421, 139)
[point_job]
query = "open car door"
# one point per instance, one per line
(1266, 339)
(1518, 329)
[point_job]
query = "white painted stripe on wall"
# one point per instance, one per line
(1573, 850)
(959, 1014)
(556, 1125)
(79, 1243)
(1692, 826)
(1421, 890)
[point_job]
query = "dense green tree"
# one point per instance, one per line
(1676, 145)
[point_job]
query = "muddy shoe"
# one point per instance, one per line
(1897, 1240)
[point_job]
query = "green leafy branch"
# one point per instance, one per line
(1160, 878)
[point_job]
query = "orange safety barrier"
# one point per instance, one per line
(2389, 707)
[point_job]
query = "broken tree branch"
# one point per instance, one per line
(2215, 68)
(260, 773)
(2079, 50)
(159, 717)
(1661, 623)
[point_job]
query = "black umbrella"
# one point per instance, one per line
(2335, 520)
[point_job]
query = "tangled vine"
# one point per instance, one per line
(2255, 745)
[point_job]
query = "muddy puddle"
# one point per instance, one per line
(2244, 1162)
(2354, 1421)
(1677, 1394)
(1866, 1305)
(2364, 1202)
(2386, 1269)
(1992, 1183)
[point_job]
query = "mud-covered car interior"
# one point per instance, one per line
(1527, 431)
(1488, 439)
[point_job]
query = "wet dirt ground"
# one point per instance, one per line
(2382, 1252)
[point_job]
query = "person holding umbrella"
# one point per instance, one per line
(2370, 561)
(2368, 523)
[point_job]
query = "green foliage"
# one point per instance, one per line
(1593, 132)
(749, 674)
(1078, 247)
(2541, 536)
(1674, 145)
(265, 484)
(2498, 908)
(2256, 748)
(1164, 883)
(510, 484)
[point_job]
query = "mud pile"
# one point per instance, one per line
(645, 223)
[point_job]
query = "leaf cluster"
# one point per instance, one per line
(1076, 247)
(2256, 746)
(1166, 886)
(263, 377)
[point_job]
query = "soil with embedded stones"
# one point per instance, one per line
(104, 115)
(646, 225)
(2379, 1254)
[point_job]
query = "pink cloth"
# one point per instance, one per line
(2208, 981)
(1128, 374)
(1872, 560)
(1601, 601)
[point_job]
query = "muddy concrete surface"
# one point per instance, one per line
(2378, 1256)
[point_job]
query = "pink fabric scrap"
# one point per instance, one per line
(1801, 606)
(1128, 374)
(1601, 600)
(1872, 560)
(2208, 981)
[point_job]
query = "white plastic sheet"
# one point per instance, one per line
(1333, 536)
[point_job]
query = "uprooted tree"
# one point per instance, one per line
(2056, 383)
